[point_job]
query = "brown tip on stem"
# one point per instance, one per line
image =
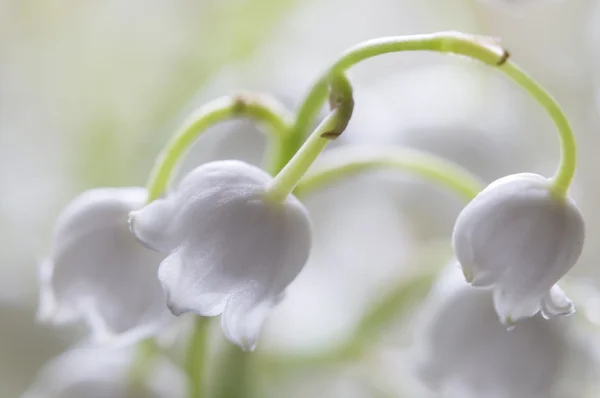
(240, 101)
(331, 135)
(505, 56)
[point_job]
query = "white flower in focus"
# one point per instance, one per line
(98, 271)
(98, 373)
(518, 237)
(463, 351)
(231, 250)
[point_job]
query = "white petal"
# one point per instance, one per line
(511, 309)
(185, 293)
(243, 318)
(518, 237)
(229, 246)
(152, 225)
(101, 373)
(239, 245)
(556, 303)
(475, 275)
(461, 343)
(93, 210)
(100, 273)
(48, 307)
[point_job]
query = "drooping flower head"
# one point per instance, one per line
(463, 351)
(99, 272)
(521, 238)
(86, 372)
(231, 250)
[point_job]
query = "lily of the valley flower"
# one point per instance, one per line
(463, 351)
(231, 249)
(99, 272)
(519, 237)
(96, 373)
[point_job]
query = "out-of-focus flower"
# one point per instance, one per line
(520, 238)
(231, 249)
(99, 272)
(97, 373)
(463, 351)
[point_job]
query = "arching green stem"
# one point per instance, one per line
(568, 161)
(260, 108)
(349, 160)
(481, 48)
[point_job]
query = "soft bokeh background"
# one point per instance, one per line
(90, 91)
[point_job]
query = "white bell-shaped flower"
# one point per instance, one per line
(231, 249)
(100, 373)
(99, 272)
(520, 238)
(462, 351)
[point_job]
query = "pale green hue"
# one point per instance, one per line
(226, 32)
(234, 374)
(281, 186)
(342, 162)
(350, 160)
(393, 306)
(146, 351)
(342, 104)
(261, 109)
(196, 355)
(481, 48)
(566, 169)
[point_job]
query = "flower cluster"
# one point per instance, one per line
(230, 238)
(217, 244)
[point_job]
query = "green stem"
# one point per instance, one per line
(341, 162)
(257, 107)
(234, 374)
(331, 127)
(195, 360)
(146, 351)
(568, 161)
(285, 182)
(481, 48)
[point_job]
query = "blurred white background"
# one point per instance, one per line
(90, 91)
